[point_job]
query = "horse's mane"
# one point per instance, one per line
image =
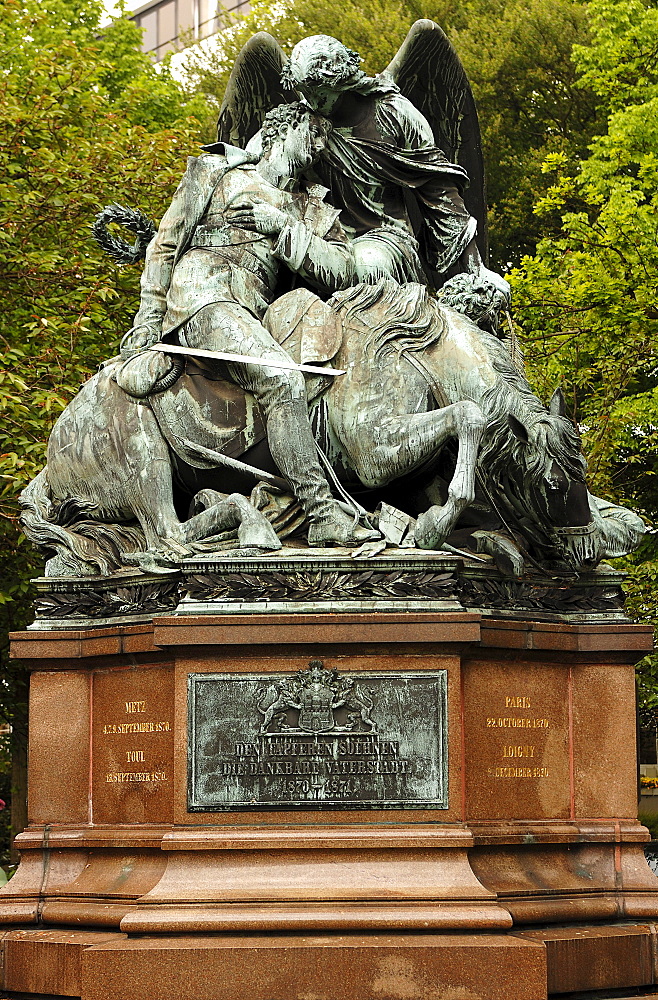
(409, 317)
(551, 437)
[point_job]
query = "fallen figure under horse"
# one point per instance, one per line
(431, 418)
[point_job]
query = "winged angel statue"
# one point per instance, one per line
(317, 316)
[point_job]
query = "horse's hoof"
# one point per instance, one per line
(433, 527)
(505, 552)
(258, 534)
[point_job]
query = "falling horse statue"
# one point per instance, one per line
(419, 378)
(419, 374)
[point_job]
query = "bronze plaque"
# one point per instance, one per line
(318, 739)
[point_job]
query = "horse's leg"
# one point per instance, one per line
(436, 523)
(149, 486)
(162, 528)
(152, 501)
(234, 511)
(382, 449)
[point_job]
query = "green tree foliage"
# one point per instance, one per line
(587, 299)
(517, 55)
(83, 121)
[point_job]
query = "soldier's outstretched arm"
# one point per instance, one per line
(158, 268)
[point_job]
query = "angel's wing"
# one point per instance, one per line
(253, 88)
(429, 73)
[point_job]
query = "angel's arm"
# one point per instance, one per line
(326, 262)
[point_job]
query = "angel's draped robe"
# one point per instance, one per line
(384, 169)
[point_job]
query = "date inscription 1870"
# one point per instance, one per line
(317, 739)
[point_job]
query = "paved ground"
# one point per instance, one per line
(649, 993)
(646, 993)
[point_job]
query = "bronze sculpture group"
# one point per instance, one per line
(328, 226)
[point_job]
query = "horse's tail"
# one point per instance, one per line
(133, 220)
(622, 529)
(76, 544)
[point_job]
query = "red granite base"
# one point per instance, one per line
(531, 883)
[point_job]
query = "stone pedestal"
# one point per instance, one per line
(527, 880)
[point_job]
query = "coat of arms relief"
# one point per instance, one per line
(316, 700)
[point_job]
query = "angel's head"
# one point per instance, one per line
(322, 68)
(294, 133)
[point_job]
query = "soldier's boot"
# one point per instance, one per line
(293, 449)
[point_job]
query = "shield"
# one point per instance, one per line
(316, 713)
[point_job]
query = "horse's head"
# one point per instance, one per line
(548, 487)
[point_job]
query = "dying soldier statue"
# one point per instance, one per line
(427, 429)
(212, 270)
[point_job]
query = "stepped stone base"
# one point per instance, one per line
(505, 860)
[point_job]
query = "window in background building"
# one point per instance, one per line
(208, 18)
(164, 21)
(186, 13)
(149, 22)
(167, 28)
(237, 6)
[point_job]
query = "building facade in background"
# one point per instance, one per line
(167, 23)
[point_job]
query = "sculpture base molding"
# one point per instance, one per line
(528, 880)
(303, 581)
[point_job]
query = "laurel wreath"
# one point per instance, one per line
(143, 228)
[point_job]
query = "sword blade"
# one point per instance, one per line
(245, 358)
(234, 463)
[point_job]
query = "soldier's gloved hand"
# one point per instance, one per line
(257, 215)
(137, 339)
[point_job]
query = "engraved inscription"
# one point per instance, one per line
(135, 756)
(121, 776)
(519, 772)
(518, 751)
(516, 723)
(132, 779)
(120, 728)
(318, 739)
(517, 701)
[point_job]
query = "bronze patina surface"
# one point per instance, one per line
(332, 687)
(317, 740)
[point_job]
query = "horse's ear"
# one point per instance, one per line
(518, 430)
(557, 406)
